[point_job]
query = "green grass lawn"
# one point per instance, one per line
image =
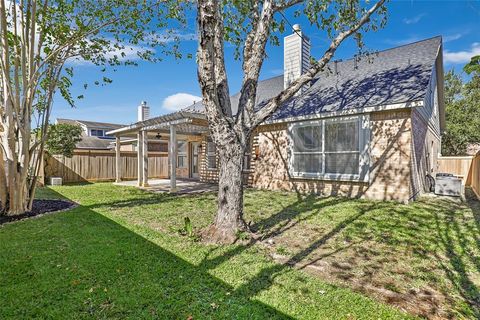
(120, 255)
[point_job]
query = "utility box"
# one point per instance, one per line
(448, 186)
(56, 181)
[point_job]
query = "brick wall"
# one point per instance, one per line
(390, 162)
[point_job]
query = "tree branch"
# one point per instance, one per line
(286, 94)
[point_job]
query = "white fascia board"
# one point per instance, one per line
(403, 105)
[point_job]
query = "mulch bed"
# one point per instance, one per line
(40, 207)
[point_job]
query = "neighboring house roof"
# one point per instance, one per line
(94, 143)
(389, 77)
(92, 124)
(89, 142)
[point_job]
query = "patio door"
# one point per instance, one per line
(194, 160)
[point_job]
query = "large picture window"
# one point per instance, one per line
(330, 149)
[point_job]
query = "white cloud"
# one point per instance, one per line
(130, 53)
(452, 37)
(461, 56)
(415, 19)
(179, 100)
(173, 35)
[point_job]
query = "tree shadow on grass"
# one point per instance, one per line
(82, 264)
(461, 263)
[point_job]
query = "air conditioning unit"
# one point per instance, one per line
(56, 181)
(448, 185)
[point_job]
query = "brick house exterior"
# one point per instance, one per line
(365, 127)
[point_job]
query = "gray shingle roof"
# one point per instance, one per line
(387, 77)
(92, 124)
(94, 143)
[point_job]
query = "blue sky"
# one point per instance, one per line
(171, 84)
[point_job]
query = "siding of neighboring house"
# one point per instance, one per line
(426, 138)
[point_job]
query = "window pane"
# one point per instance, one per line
(341, 136)
(246, 162)
(182, 147)
(181, 161)
(97, 133)
(342, 163)
(308, 163)
(211, 147)
(212, 162)
(307, 138)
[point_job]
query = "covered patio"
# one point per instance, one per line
(187, 126)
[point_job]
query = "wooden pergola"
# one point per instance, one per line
(180, 122)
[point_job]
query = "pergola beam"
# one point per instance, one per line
(173, 158)
(118, 160)
(139, 158)
(145, 158)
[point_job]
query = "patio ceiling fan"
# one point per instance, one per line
(158, 136)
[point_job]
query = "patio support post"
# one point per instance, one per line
(139, 158)
(173, 158)
(145, 159)
(118, 162)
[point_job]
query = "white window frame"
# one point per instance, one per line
(364, 150)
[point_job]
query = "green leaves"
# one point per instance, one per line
(473, 65)
(62, 138)
(462, 102)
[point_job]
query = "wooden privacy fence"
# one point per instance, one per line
(468, 168)
(93, 165)
(475, 182)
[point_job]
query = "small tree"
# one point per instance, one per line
(62, 138)
(249, 25)
(39, 43)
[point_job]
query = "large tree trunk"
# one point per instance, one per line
(229, 219)
(14, 171)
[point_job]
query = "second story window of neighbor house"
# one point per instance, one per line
(97, 133)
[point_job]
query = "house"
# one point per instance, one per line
(95, 137)
(369, 126)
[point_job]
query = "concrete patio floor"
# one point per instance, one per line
(183, 186)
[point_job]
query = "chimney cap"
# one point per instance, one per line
(296, 27)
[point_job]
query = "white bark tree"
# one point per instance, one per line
(250, 25)
(39, 43)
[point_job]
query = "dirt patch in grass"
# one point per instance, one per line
(40, 207)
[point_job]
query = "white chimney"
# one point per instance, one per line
(296, 56)
(143, 111)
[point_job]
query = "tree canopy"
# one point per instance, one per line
(62, 138)
(462, 114)
(41, 41)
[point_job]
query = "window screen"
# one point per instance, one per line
(327, 148)
(182, 154)
(211, 155)
(342, 147)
